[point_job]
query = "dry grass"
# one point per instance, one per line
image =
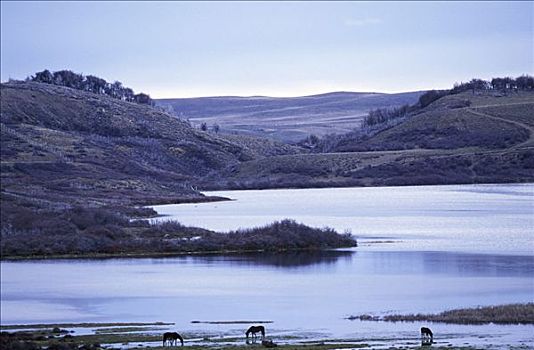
(502, 314)
(521, 112)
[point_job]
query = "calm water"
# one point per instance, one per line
(497, 219)
(453, 246)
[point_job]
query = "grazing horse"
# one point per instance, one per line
(254, 330)
(172, 338)
(426, 336)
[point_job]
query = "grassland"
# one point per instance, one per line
(62, 147)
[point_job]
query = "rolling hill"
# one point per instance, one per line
(456, 121)
(284, 119)
(488, 139)
(62, 146)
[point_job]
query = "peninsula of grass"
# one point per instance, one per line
(105, 235)
(501, 314)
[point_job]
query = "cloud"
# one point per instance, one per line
(362, 22)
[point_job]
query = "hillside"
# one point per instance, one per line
(285, 119)
(487, 140)
(457, 121)
(67, 146)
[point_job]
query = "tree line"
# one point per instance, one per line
(92, 84)
(523, 82)
(385, 115)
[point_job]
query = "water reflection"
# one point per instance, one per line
(305, 289)
(444, 263)
(368, 262)
(286, 260)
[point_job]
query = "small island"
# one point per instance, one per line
(93, 233)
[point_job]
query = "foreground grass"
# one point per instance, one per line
(502, 314)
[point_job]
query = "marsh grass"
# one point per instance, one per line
(501, 314)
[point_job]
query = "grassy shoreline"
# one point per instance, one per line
(149, 255)
(148, 336)
(500, 314)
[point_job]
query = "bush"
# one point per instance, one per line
(431, 96)
(84, 218)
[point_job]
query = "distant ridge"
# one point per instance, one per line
(325, 94)
(287, 119)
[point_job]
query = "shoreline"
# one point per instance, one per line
(206, 199)
(486, 315)
(148, 336)
(331, 186)
(110, 256)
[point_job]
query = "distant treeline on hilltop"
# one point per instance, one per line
(524, 82)
(500, 85)
(91, 83)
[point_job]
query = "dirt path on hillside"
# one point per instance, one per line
(527, 143)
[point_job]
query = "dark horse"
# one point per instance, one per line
(172, 338)
(426, 336)
(254, 330)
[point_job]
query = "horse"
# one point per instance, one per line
(427, 337)
(172, 338)
(254, 330)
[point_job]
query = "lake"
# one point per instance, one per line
(495, 219)
(422, 249)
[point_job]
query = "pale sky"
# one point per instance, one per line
(184, 49)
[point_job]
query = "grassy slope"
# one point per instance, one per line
(442, 126)
(59, 144)
(285, 119)
(490, 141)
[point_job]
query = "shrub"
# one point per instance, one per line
(84, 218)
